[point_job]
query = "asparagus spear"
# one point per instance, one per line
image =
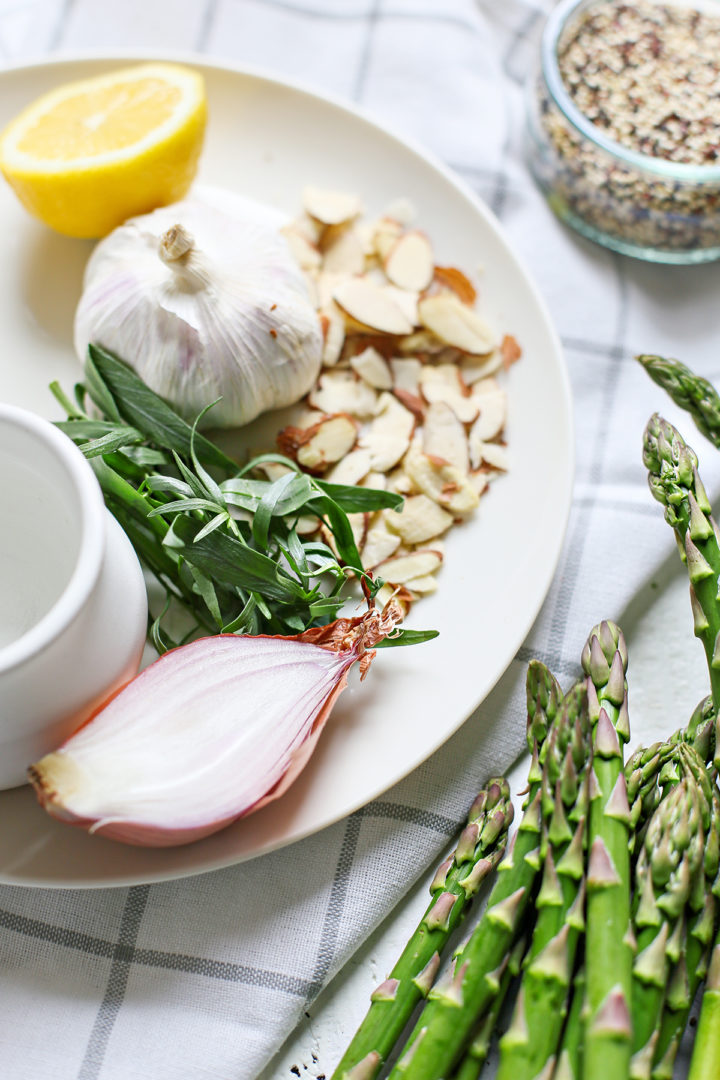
(456, 881)
(569, 1063)
(689, 391)
(667, 870)
(608, 955)
(529, 1047)
(690, 967)
(705, 1062)
(651, 774)
(453, 886)
(471, 1065)
(674, 481)
(699, 954)
(454, 1006)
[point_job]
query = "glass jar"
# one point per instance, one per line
(645, 206)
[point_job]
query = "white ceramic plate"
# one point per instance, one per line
(267, 140)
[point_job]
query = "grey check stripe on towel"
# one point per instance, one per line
(207, 976)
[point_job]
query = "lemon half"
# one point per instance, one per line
(91, 154)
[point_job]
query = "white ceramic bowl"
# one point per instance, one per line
(73, 605)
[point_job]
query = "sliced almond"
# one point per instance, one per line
(451, 278)
(342, 251)
(320, 445)
(307, 525)
(495, 455)
(358, 526)
(353, 468)
(444, 436)
(402, 210)
(510, 351)
(388, 435)
(371, 306)
(326, 283)
(479, 480)
(422, 586)
(385, 235)
(420, 343)
(445, 484)
(489, 424)
(365, 233)
(303, 250)
(419, 520)
(409, 263)
(273, 470)
(406, 299)
(309, 227)
(398, 593)
(412, 403)
(343, 392)
(402, 568)
(331, 207)
(399, 482)
(371, 367)
(475, 368)
(456, 324)
(302, 415)
(443, 382)
(332, 324)
(375, 480)
(406, 374)
(380, 543)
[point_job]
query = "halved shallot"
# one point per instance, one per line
(208, 733)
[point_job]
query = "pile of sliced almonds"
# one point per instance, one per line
(408, 397)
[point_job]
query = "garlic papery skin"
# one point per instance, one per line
(208, 733)
(204, 304)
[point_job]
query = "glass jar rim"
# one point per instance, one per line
(554, 27)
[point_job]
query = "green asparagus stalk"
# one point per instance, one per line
(608, 953)
(692, 966)
(529, 1047)
(705, 1062)
(674, 481)
(470, 1067)
(666, 872)
(455, 1005)
(688, 390)
(569, 1062)
(456, 882)
(689, 969)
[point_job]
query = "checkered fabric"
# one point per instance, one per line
(207, 976)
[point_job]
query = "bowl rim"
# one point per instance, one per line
(554, 27)
(90, 553)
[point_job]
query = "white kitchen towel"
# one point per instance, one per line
(207, 976)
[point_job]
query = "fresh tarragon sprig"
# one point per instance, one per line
(223, 545)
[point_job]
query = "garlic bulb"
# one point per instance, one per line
(208, 733)
(204, 304)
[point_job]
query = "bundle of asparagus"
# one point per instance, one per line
(602, 915)
(604, 918)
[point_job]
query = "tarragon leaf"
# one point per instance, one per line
(127, 397)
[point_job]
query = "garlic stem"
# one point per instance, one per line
(175, 243)
(177, 250)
